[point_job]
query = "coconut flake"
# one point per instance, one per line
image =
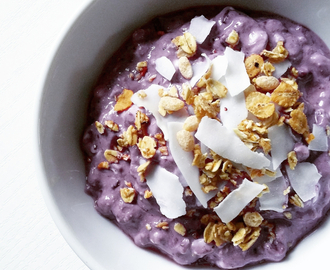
(199, 69)
(282, 143)
(320, 142)
(303, 180)
(168, 191)
(200, 28)
(233, 110)
(151, 101)
(226, 144)
(184, 161)
(219, 67)
(165, 67)
(236, 75)
(275, 199)
(281, 68)
(235, 202)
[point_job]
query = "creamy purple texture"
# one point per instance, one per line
(308, 55)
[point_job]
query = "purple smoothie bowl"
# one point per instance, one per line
(91, 39)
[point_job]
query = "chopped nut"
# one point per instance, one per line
(140, 118)
(163, 150)
(285, 95)
(127, 194)
(185, 140)
(99, 127)
(147, 147)
(266, 83)
(298, 120)
(253, 65)
(199, 158)
(259, 105)
(233, 38)
(104, 165)
(148, 227)
(128, 138)
(252, 219)
(112, 125)
(169, 104)
(292, 159)
(185, 68)
(278, 54)
(124, 100)
(180, 229)
(147, 194)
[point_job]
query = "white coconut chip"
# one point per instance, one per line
(184, 161)
(200, 28)
(320, 142)
(282, 143)
(303, 180)
(233, 110)
(236, 75)
(219, 67)
(226, 144)
(275, 199)
(151, 101)
(235, 202)
(281, 68)
(165, 67)
(199, 69)
(167, 190)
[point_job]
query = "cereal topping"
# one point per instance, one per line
(169, 105)
(186, 43)
(253, 65)
(112, 125)
(285, 95)
(292, 159)
(278, 54)
(266, 83)
(185, 140)
(99, 127)
(298, 120)
(253, 219)
(259, 105)
(128, 138)
(185, 67)
(140, 118)
(123, 100)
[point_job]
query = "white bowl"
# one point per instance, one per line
(93, 37)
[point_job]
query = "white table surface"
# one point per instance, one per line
(29, 34)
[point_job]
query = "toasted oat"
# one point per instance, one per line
(104, 165)
(250, 239)
(292, 159)
(163, 225)
(266, 83)
(185, 140)
(295, 200)
(232, 38)
(127, 194)
(185, 68)
(216, 88)
(147, 147)
(169, 105)
(124, 100)
(202, 81)
(259, 105)
(252, 219)
(187, 94)
(180, 229)
(112, 125)
(187, 43)
(111, 155)
(147, 194)
(142, 169)
(217, 232)
(140, 118)
(128, 138)
(205, 106)
(298, 120)
(291, 81)
(278, 54)
(191, 123)
(142, 94)
(267, 68)
(99, 127)
(285, 95)
(253, 65)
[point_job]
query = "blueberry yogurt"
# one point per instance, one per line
(207, 136)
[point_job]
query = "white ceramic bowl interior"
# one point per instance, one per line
(93, 37)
